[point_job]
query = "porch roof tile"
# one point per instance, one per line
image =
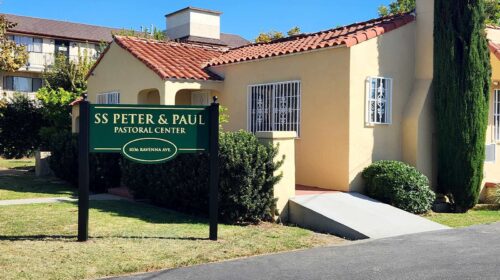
(172, 60)
(348, 36)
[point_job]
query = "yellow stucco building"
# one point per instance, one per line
(353, 95)
(492, 164)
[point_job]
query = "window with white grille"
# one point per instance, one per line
(496, 114)
(274, 107)
(379, 100)
(108, 98)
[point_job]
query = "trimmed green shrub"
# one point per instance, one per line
(104, 172)
(20, 122)
(400, 185)
(246, 180)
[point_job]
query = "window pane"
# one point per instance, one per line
(8, 83)
(37, 45)
(37, 84)
(497, 115)
(22, 84)
(108, 98)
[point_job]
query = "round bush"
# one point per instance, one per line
(400, 185)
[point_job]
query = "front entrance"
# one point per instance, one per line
(200, 98)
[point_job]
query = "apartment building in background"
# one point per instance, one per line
(45, 39)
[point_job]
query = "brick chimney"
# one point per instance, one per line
(193, 22)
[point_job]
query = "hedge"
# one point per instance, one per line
(104, 168)
(400, 185)
(246, 184)
(20, 121)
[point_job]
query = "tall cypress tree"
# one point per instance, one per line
(462, 75)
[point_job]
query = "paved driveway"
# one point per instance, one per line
(467, 253)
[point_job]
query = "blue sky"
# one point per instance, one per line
(246, 18)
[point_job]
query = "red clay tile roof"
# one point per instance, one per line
(171, 59)
(495, 49)
(60, 29)
(348, 35)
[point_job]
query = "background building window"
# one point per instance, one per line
(274, 107)
(108, 98)
(22, 84)
(32, 44)
(379, 100)
(496, 114)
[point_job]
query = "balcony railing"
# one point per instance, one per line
(38, 61)
(9, 95)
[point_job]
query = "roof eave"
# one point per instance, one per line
(55, 36)
(277, 56)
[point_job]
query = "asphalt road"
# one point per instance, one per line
(467, 253)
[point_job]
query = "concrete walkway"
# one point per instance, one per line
(466, 253)
(104, 196)
(355, 216)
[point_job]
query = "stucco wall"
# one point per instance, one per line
(322, 150)
(493, 34)
(492, 169)
(392, 56)
(120, 71)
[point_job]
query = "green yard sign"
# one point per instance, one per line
(149, 134)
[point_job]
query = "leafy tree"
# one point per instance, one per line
(461, 85)
(12, 56)
(155, 33)
(269, 36)
(266, 37)
(294, 31)
(56, 110)
(396, 7)
(20, 121)
(223, 116)
(63, 83)
(68, 74)
(492, 9)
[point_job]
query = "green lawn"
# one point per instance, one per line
(479, 215)
(18, 184)
(17, 163)
(18, 181)
(38, 241)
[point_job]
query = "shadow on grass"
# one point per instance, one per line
(42, 237)
(22, 181)
(145, 212)
(122, 208)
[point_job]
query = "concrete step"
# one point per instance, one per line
(355, 216)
